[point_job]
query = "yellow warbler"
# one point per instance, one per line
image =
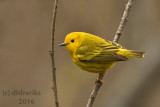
(94, 54)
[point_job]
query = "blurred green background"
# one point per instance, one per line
(25, 35)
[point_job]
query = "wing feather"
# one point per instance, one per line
(101, 53)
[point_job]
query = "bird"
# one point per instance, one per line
(94, 54)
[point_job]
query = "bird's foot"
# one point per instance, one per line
(99, 80)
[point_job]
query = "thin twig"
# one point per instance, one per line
(95, 91)
(54, 87)
(115, 40)
(123, 21)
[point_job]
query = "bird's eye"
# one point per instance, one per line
(72, 40)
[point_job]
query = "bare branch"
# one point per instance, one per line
(54, 87)
(115, 40)
(95, 91)
(123, 21)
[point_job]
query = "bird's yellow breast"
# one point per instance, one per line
(92, 66)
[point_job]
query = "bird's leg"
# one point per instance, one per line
(99, 79)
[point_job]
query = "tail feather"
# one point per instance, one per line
(131, 53)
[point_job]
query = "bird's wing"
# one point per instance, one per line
(103, 53)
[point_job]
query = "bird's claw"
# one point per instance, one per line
(99, 80)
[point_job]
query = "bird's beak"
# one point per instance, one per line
(63, 44)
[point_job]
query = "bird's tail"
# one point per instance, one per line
(130, 53)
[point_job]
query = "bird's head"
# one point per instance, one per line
(72, 42)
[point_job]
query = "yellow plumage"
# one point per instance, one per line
(94, 54)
